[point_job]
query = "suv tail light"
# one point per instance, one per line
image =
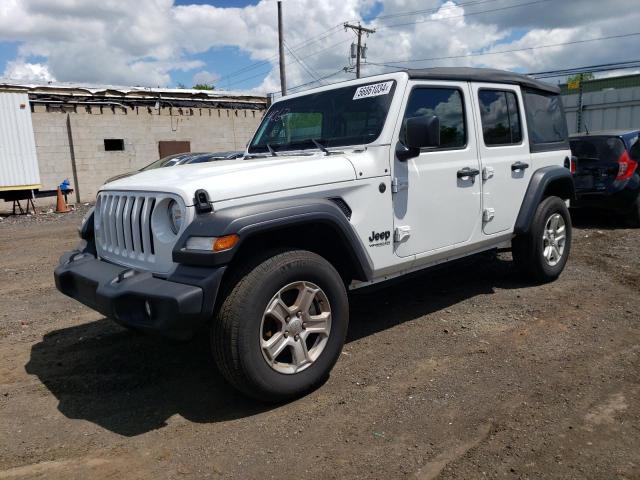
(626, 167)
(570, 163)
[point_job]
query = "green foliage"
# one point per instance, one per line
(204, 86)
(585, 77)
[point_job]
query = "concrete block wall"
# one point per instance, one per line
(208, 130)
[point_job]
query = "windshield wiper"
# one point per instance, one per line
(322, 147)
(271, 151)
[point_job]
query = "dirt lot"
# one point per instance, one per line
(459, 373)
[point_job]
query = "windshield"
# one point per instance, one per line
(344, 116)
(163, 162)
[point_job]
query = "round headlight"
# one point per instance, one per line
(175, 216)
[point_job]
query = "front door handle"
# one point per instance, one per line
(468, 172)
(516, 167)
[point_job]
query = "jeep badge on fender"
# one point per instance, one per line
(264, 262)
(382, 237)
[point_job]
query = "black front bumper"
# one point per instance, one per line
(175, 307)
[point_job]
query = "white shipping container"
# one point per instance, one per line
(18, 159)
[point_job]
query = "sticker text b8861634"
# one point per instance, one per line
(373, 90)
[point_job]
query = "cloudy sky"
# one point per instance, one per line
(233, 43)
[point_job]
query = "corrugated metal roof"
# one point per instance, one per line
(121, 92)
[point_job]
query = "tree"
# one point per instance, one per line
(581, 77)
(204, 86)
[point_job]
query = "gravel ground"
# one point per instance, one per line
(464, 372)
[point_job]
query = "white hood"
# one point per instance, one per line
(229, 179)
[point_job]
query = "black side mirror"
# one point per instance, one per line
(421, 132)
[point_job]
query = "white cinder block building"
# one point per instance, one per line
(88, 134)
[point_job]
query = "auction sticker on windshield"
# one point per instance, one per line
(373, 90)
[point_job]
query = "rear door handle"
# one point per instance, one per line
(468, 172)
(519, 166)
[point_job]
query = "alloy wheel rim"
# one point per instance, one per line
(554, 239)
(295, 327)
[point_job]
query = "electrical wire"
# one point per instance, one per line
(513, 50)
(311, 83)
(469, 14)
(302, 64)
(603, 67)
(329, 32)
(310, 41)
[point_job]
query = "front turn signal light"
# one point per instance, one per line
(225, 243)
(215, 244)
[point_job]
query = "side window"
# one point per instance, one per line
(545, 119)
(500, 117)
(446, 104)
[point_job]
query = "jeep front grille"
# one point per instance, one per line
(124, 230)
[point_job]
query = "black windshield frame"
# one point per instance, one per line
(339, 113)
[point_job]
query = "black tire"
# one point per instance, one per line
(236, 331)
(634, 216)
(528, 249)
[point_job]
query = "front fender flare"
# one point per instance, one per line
(249, 220)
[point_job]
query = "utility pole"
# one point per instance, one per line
(580, 106)
(283, 77)
(359, 30)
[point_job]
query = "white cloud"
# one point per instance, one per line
(28, 72)
(205, 77)
(108, 41)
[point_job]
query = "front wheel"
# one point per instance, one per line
(281, 328)
(542, 253)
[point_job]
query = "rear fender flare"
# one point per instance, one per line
(553, 177)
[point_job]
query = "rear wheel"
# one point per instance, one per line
(542, 253)
(281, 328)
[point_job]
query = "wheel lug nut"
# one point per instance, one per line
(299, 314)
(304, 325)
(286, 334)
(296, 338)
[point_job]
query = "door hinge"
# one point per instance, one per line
(487, 173)
(397, 185)
(488, 214)
(401, 233)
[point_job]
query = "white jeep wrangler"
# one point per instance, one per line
(341, 187)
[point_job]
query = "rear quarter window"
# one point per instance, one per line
(545, 121)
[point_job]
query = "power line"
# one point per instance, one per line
(317, 52)
(310, 41)
(426, 10)
(384, 64)
(513, 50)
(428, 20)
(433, 10)
(315, 81)
(302, 64)
(604, 67)
(329, 32)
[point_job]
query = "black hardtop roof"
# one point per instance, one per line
(485, 75)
